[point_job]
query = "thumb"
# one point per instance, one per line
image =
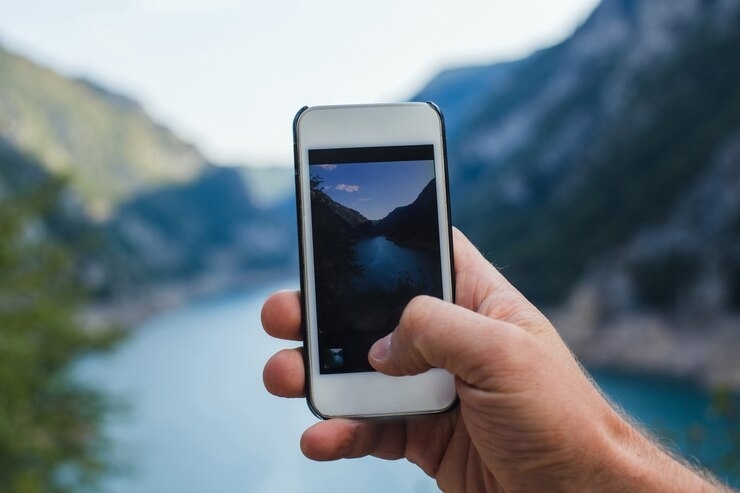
(436, 334)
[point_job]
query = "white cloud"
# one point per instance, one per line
(328, 167)
(348, 188)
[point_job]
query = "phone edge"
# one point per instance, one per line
(448, 206)
(302, 263)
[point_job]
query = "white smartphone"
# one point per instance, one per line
(374, 229)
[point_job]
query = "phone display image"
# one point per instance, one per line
(374, 232)
(376, 245)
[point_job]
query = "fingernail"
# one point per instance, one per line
(380, 350)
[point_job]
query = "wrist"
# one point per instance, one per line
(631, 461)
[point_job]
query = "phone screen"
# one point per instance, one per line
(375, 245)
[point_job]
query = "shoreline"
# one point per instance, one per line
(132, 310)
(639, 342)
(657, 344)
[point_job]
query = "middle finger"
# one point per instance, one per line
(281, 315)
(284, 374)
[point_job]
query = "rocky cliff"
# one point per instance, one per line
(601, 174)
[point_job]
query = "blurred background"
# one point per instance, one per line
(147, 209)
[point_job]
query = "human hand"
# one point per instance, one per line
(529, 419)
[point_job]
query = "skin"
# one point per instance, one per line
(529, 418)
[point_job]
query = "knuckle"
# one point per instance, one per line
(412, 335)
(416, 315)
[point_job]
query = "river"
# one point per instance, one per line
(385, 263)
(198, 418)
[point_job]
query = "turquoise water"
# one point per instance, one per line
(679, 414)
(200, 420)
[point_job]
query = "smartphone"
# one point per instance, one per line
(374, 232)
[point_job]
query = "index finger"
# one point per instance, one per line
(281, 315)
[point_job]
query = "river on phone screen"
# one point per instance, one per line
(198, 418)
(383, 261)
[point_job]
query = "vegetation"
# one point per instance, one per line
(106, 142)
(50, 437)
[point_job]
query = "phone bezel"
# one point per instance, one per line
(369, 394)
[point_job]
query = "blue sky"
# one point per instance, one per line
(229, 75)
(375, 189)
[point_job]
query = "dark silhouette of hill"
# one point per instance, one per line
(329, 215)
(414, 225)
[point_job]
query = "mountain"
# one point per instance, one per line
(459, 90)
(414, 224)
(334, 218)
(105, 142)
(145, 214)
(335, 231)
(202, 226)
(573, 151)
(601, 174)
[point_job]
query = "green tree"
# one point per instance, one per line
(50, 435)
